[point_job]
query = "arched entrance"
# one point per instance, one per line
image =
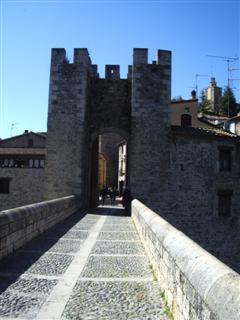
(108, 164)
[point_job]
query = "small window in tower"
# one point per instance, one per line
(186, 120)
(4, 185)
(112, 71)
(224, 203)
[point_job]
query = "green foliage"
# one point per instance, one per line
(228, 105)
(177, 98)
(167, 309)
(204, 104)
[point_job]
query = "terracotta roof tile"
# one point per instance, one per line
(204, 131)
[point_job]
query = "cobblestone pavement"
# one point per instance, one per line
(90, 266)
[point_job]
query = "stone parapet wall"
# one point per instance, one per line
(20, 225)
(197, 285)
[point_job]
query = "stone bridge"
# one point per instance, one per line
(60, 262)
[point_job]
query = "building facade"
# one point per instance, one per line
(22, 163)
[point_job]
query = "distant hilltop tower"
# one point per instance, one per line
(213, 94)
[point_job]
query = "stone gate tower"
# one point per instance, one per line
(82, 106)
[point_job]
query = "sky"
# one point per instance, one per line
(110, 30)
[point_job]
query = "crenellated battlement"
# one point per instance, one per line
(164, 58)
(58, 56)
(140, 57)
(81, 57)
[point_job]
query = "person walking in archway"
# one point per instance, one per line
(126, 201)
(103, 194)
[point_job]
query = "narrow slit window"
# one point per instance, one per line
(4, 185)
(225, 159)
(224, 203)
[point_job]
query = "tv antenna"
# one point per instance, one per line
(234, 69)
(13, 125)
(228, 60)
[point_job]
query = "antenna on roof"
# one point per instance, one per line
(228, 60)
(13, 125)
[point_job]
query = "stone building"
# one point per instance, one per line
(188, 174)
(233, 124)
(185, 113)
(22, 163)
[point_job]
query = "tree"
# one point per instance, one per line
(228, 106)
(204, 104)
(177, 98)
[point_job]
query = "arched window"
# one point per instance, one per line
(186, 120)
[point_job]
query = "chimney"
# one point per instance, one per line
(194, 95)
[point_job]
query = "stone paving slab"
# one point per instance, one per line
(114, 300)
(15, 305)
(119, 220)
(115, 267)
(51, 264)
(90, 218)
(31, 262)
(43, 244)
(29, 285)
(129, 235)
(82, 226)
(24, 297)
(118, 247)
(71, 234)
(118, 227)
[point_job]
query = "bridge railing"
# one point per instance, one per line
(196, 284)
(20, 225)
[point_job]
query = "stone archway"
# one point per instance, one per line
(107, 143)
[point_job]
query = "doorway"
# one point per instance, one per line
(108, 167)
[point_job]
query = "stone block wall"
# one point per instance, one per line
(26, 186)
(66, 137)
(20, 225)
(150, 127)
(109, 106)
(196, 284)
(194, 183)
